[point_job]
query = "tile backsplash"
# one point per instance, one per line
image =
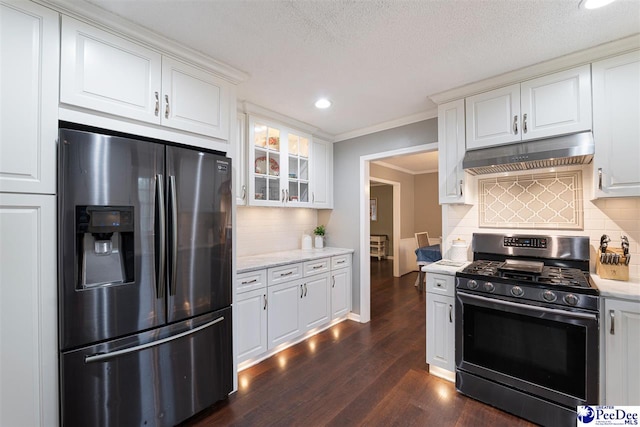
(614, 217)
(543, 201)
(263, 230)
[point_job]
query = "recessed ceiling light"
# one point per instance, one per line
(594, 4)
(323, 103)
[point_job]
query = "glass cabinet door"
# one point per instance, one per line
(266, 168)
(298, 173)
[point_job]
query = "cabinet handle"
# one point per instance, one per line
(265, 301)
(250, 281)
(341, 262)
(282, 196)
(301, 292)
(288, 273)
(524, 123)
(333, 282)
(305, 289)
(315, 267)
(244, 192)
(157, 110)
(461, 185)
(313, 197)
(287, 193)
(612, 315)
(599, 178)
(166, 108)
(515, 125)
(450, 313)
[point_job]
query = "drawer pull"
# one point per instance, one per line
(341, 262)
(250, 281)
(315, 267)
(612, 315)
(288, 273)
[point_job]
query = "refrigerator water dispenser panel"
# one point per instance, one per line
(105, 244)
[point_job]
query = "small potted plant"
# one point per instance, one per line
(319, 240)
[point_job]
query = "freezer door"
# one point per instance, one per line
(109, 227)
(157, 378)
(198, 232)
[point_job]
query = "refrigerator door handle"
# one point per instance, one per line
(160, 240)
(173, 210)
(101, 357)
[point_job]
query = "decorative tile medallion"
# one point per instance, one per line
(550, 200)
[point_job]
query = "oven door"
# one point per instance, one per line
(549, 353)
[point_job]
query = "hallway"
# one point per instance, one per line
(355, 374)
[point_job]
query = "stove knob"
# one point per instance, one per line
(517, 291)
(549, 296)
(571, 299)
(489, 287)
(472, 284)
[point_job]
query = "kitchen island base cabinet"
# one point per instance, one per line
(622, 346)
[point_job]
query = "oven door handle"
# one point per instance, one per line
(533, 307)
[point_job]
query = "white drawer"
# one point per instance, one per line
(316, 266)
(284, 273)
(441, 284)
(340, 261)
(251, 280)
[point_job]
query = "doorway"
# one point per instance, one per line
(365, 230)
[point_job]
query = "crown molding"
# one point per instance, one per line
(414, 118)
(401, 169)
(107, 21)
(257, 110)
(575, 59)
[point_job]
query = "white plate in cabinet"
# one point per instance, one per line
(317, 266)
(441, 284)
(340, 261)
(284, 273)
(251, 319)
(250, 281)
(104, 72)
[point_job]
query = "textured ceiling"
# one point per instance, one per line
(413, 163)
(377, 60)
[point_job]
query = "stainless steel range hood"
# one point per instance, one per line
(565, 150)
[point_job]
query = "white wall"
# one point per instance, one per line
(262, 230)
(614, 217)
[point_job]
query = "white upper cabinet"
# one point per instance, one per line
(104, 72)
(322, 169)
(451, 138)
(554, 104)
(279, 165)
(616, 127)
(194, 100)
(29, 36)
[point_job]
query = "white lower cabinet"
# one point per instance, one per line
(621, 329)
(316, 302)
(284, 312)
(251, 332)
(440, 311)
(340, 292)
(28, 311)
(295, 301)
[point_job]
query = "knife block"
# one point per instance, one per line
(613, 271)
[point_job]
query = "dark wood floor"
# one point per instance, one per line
(354, 374)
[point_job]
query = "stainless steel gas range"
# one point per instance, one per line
(527, 326)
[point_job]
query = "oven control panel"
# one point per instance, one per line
(525, 242)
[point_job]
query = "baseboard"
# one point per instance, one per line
(353, 316)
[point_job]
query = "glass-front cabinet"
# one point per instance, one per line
(279, 165)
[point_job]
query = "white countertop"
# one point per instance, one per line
(275, 259)
(619, 289)
(445, 266)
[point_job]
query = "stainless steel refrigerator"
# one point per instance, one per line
(144, 280)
